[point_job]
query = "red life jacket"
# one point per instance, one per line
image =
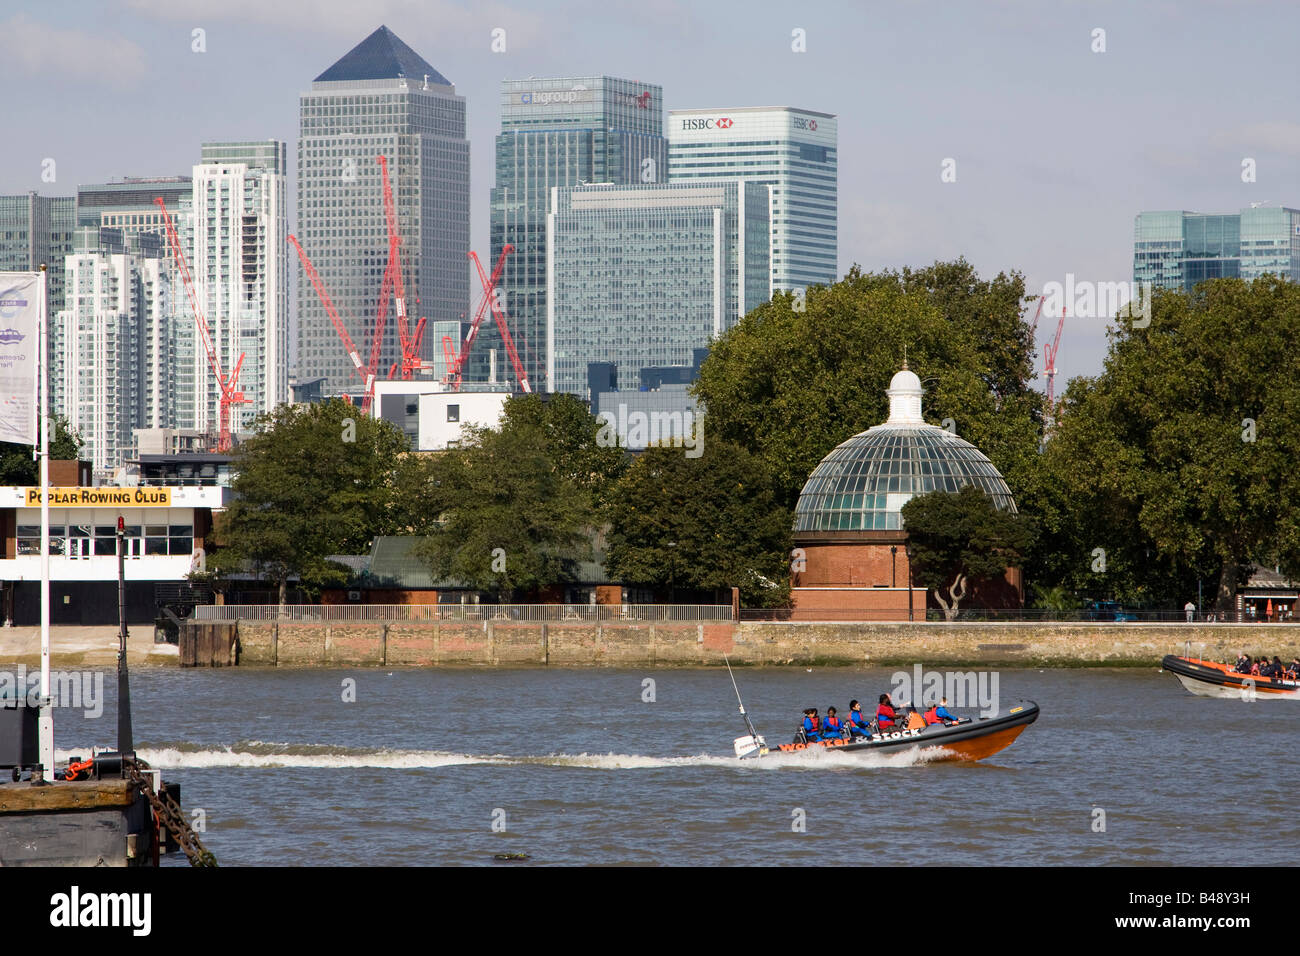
(833, 724)
(932, 715)
(885, 714)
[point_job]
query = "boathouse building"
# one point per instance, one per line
(166, 527)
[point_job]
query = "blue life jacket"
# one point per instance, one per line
(810, 729)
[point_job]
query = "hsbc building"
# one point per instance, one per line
(794, 153)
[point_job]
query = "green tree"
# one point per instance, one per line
(1179, 460)
(514, 509)
(957, 538)
(789, 385)
(316, 480)
(18, 467)
(707, 523)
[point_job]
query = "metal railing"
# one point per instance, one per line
(505, 613)
(1005, 616)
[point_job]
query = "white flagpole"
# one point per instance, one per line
(46, 725)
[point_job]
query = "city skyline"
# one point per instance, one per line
(1051, 166)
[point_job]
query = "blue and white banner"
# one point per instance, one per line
(20, 303)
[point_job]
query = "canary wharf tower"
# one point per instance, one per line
(381, 97)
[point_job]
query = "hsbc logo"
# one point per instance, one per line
(724, 122)
(801, 122)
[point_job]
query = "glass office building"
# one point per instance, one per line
(793, 152)
(36, 229)
(382, 97)
(557, 132)
(1178, 249)
(644, 275)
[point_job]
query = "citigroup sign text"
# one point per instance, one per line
(559, 96)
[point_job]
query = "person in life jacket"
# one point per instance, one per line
(1243, 663)
(885, 714)
(859, 726)
(1254, 669)
(811, 725)
(832, 726)
(1293, 670)
(938, 713)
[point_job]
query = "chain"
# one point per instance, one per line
(170, 815)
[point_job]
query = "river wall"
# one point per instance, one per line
(435, 644)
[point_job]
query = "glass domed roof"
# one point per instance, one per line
(864, 482)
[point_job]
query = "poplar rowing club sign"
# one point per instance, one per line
(101, 497)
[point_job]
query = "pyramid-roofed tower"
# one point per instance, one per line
(381, 98)
(381, 56)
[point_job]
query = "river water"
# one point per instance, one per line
(426, 767)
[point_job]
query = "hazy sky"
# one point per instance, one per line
(1056, 146)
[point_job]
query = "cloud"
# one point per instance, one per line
(413, 20)
(1277, 136)
(48, 52)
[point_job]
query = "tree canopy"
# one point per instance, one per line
(317, 480)
(514, 509)
(707, 524)
(958, 538)
(789, 385)
(19, 467)
(1179, 461)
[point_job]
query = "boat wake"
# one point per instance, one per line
(258, 754)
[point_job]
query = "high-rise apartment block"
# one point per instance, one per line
(645, 275)
(1177, 249)
(794, 153)
(380, 98)
(115, 344)
(558, 132)
(240, 268)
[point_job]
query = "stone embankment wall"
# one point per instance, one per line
(425, 644)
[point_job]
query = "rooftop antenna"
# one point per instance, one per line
(905, 358)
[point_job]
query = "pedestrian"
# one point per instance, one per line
(1190, 608)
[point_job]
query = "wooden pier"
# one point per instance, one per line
(83, 823)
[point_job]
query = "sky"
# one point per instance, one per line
(1062, 120)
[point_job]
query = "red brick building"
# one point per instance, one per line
(852, 560)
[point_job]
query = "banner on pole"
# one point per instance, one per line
(20, 295)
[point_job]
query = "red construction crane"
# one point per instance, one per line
(230, 395)
(1033, 326)
(410, 341)
(499, 315)
(367, 372)
(456, 363)
(1049, 353)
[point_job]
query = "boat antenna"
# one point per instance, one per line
(750, 726)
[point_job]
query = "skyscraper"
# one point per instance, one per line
(37, 229)
(115, 344)
(646, 275)
(558, 132)
(127, 220)
(794, 152)
(380, 98)
(239, 263)
(1178, 249)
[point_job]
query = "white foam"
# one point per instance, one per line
(257, 754)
